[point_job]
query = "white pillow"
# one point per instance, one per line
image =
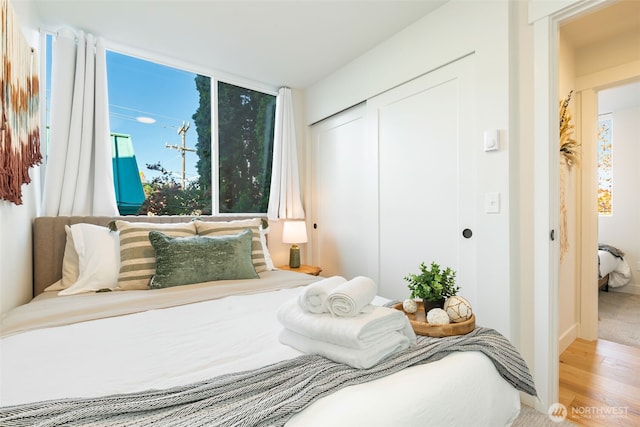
(98, 251)
(267, 256)
(70, 265)
(70, 261)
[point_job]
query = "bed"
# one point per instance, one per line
(613, 269)
(209, 353)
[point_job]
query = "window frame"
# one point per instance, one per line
(215, 76)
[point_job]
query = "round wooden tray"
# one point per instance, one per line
(420, 325)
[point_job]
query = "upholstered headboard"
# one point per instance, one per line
(49, 239)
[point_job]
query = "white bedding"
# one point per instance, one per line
(617, 268)
(173, 346)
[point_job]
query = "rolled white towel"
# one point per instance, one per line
(356, 332)
(314, 297)
(350, 298)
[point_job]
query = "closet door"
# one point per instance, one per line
(426, 177)
(343, 199)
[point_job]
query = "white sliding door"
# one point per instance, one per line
(343, 204)
(426, 177)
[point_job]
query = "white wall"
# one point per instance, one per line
(622, 229)
(15, 247)
(521, 174)
(15, 220)
(447, 34)
(568, 282)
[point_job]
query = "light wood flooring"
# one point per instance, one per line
(600, 383)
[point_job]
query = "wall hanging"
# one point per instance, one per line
(19, 114)
(569, 156)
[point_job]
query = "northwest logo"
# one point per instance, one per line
(557, 412)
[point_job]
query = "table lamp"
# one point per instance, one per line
(294, 232)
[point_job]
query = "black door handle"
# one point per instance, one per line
(467, 233)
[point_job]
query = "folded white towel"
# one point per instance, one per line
(350, 298)
(314, 297)
(358, 358)
(360, 331)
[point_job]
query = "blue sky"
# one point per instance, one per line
(139, 88)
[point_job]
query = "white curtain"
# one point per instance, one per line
(79, 174)
(284, 198)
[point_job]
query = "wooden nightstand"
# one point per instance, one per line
(307, 269)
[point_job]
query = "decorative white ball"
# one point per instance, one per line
(458, 309)
(437, 316)
(410, 306)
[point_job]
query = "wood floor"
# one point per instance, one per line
(600, 383)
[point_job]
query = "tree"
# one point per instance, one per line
(165, 196)
(202, 121)
(245, 146)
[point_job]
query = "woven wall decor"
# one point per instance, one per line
(19, 113)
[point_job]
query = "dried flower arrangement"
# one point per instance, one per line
(570, 153)
(569, 147)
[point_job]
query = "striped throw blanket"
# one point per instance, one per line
(274, 393)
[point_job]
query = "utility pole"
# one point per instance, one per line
(182, 148)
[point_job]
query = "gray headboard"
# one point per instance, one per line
(49, 239)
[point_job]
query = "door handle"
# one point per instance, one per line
(467, 233)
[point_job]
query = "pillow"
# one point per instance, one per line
(70, 267)
(221, 228)
(98, 251)
(265, 249)
(186, 260)
(137, 257)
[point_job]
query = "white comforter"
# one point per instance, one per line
(618, 269)
(175, 346)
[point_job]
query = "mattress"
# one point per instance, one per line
(116, 351)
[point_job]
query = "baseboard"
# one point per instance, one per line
(631, 288)
(568, 337)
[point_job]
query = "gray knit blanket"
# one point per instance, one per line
(268, 396)
(612, 250)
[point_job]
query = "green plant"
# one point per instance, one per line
(432, 283)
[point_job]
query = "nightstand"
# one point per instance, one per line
(307, 269)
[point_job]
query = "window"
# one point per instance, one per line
(605, 172)
(245, 148)
(162, 135)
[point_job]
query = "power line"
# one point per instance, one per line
(143, 112)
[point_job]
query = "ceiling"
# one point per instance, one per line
(613, 19)
(278, 43)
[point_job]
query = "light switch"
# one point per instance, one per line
(492, 202)
(491, 140)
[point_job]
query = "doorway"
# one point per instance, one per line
(619, 213)
(584, 69)
(547, 19)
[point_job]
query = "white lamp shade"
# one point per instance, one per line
(294, 232)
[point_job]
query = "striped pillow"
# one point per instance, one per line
(137, 256)
(221, 228)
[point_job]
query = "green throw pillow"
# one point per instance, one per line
(195, 259)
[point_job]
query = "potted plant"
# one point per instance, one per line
(433, 284)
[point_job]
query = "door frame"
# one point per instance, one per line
(587, 87)
(546, 18)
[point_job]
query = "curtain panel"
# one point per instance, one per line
(19, 108)
(79, 172)
(284, 198)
